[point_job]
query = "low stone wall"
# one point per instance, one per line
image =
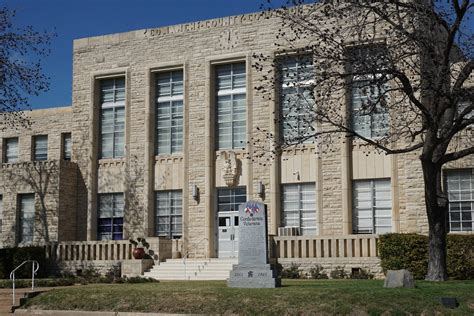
(79, 267)
(370, 265)
(134, 268)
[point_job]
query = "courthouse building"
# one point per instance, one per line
(156, 144)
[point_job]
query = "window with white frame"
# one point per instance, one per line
(1, 213)
(299, 207)
(460, 187)
(169, 213)
(297, 99)
(371, 207)
(370, 116)
(112, 118)
(67, 146)
(11, 150)
(229, 199)
(110, 216)
(27, 217)
(231, 106)
(41, 147)
(169, 112)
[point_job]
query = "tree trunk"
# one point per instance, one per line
(436, 210)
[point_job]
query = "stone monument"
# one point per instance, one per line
(253, 269)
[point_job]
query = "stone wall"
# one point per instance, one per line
(53, 182)
(370, 265)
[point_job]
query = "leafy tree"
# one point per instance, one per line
(391, 75)
(21, 73)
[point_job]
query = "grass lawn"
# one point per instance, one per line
(295, 297)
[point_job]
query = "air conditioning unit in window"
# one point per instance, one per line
(288, 231)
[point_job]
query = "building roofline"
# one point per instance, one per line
(193, 26)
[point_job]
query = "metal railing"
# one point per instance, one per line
(186, 254)
(34, 269)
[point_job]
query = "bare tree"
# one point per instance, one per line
(21, 72)
(391, 75)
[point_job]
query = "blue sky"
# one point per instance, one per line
(72, 19)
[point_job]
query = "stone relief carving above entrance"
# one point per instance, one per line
(230, 168)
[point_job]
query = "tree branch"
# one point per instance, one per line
(457, 155)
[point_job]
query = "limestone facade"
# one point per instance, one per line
(197, 171)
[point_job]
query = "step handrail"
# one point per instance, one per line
(186, 254)
(34, 269)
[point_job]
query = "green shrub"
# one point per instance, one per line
(10, 258)
(361, 274)
(293, 272)
(25, 283)
(460, 260)
(90, 273)
(404, 251)
(338, 273)
(6, 264)
(138, 280)
(410, 251)
(316, 272)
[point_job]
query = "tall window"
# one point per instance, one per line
(41, 147)
(460, 187)
(112, 118)
(168, 212)
(231, 106)
(297, 99)
(27, 217)
(169, 112)
(299, 207)
(370, 117)
(67, 146)
(228, 200)
(11, 150)
(1, 213)
(110, 221)
(372, 207)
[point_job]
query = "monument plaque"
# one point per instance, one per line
(253, 270)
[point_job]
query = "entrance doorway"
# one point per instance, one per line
(228, 201)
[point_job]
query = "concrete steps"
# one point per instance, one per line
(192, 269)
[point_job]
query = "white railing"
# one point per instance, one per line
(188, 251)
(90, 250)
(348, 246)
(34, 269)
(111, 250)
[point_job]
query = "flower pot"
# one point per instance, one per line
(138, 253)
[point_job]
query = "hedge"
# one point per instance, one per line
(10, 258)
(410, 251)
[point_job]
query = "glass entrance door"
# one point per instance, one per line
(228, 201)
(228, 234)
